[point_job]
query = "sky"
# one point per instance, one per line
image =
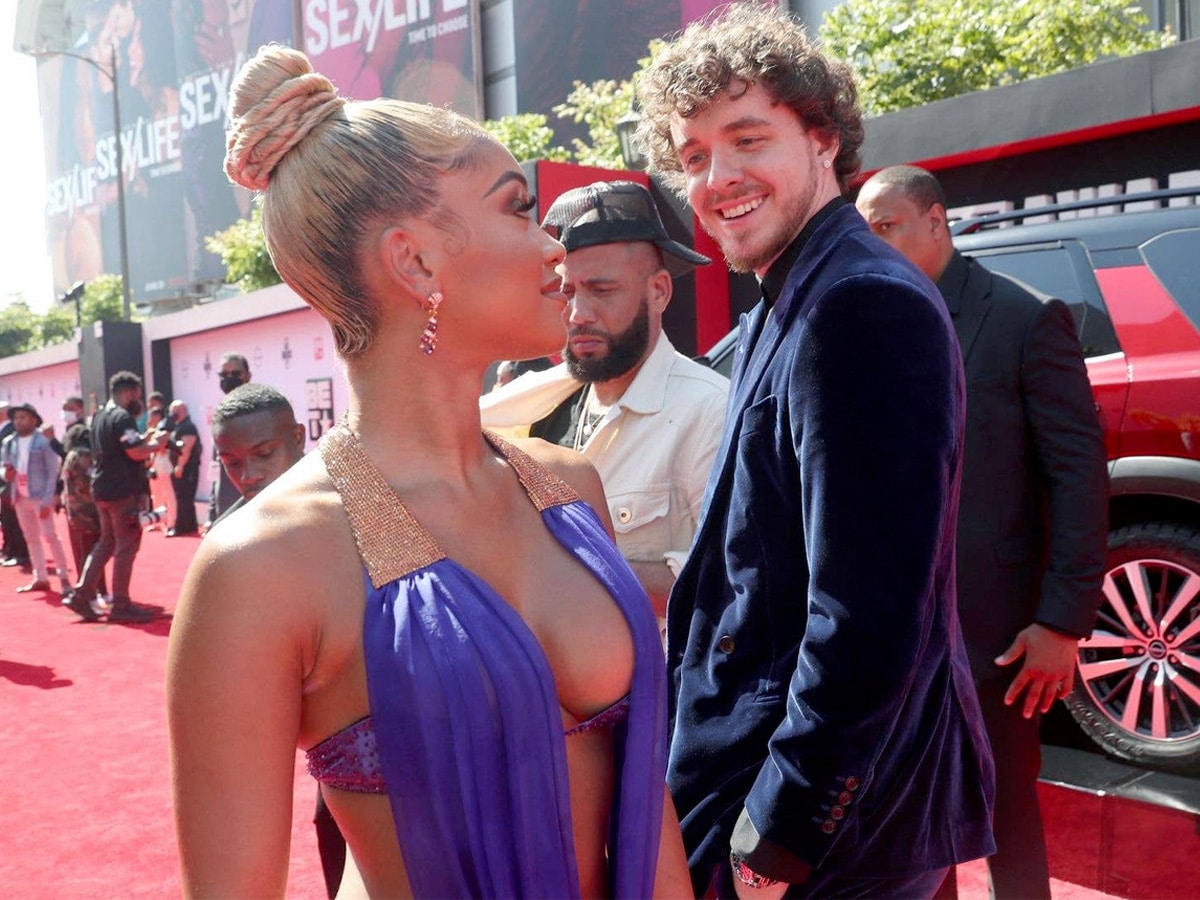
(24, 260)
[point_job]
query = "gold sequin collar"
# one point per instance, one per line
(391, 542)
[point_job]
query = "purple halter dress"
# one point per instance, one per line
(463, 704)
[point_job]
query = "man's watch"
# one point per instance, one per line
(747, 875)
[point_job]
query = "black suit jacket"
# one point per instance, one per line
(1033, 514)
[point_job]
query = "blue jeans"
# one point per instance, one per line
(120, 539)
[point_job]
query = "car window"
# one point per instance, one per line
(1061, 270)
(1174, 258)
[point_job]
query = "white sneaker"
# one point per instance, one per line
(102, 604)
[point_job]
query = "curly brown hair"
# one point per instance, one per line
(743, 45)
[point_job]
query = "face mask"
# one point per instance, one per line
(230, 381)
(70, 417)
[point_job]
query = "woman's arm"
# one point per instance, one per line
(234, 681)
(671, 878)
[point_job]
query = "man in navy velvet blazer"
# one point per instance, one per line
(827, 739)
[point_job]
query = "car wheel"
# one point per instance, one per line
(1137, 689)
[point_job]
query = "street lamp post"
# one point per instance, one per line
(632, 153)
(75, 295)
(112, 74)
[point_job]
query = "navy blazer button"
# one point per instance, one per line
(829, 826)
(838, 812)
(852, 783)
(726, 644)
(845, 797)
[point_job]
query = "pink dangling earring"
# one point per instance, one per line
(429, 335)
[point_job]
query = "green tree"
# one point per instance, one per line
(598, 106)
(18, 328)
(102, 301)
(56, 325)
(243, 250)
(527, 136)
(911, 52)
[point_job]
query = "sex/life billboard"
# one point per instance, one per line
(427, 51)
(176, 60)
(564, 41)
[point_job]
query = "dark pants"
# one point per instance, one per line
(833, 883)
(1019, 870)
(185, 502)
(14, 539)
(120, 539)
(330, 845)
(82, 542)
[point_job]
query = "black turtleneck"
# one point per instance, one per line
(772, 284)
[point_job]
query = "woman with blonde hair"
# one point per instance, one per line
(439, 618)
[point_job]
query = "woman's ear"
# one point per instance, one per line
(401, 263)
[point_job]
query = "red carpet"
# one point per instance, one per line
(85, 800)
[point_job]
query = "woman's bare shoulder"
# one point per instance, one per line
(288, 541)
(299, 507)
(573, 468)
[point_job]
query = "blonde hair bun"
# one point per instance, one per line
(275, 101)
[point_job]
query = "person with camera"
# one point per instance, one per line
(183, 447)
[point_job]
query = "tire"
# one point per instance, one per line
(1137, 686)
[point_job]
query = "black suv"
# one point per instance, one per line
(1129, 268)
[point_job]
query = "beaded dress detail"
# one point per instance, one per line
(467, 725)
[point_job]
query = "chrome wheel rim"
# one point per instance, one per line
(1141, 666)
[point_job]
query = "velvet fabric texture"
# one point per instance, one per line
(470, 731)
(822, 684)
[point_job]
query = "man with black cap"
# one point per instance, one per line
(648, 418)
(31, 469)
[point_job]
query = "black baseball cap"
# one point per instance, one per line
(616, 212)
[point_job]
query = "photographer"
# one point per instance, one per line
(183, 447)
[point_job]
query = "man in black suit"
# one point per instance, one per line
(185, 450)
(234, 372)
(1033, 514)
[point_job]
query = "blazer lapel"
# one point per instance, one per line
(755, 354)
(967, 291)
(758, 329)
